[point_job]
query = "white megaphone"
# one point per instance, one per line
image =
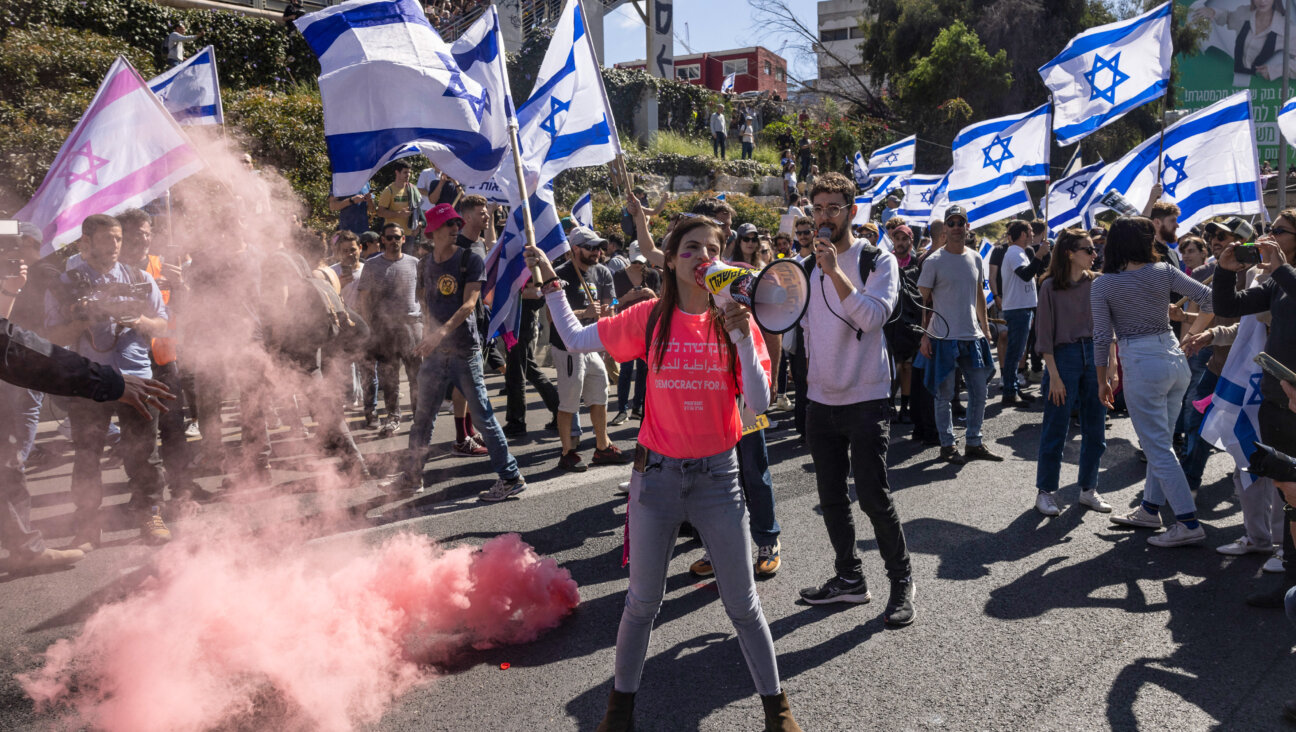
(777, 295)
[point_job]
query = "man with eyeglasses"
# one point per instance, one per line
(854, 287)
(389, 303)
(950, 284)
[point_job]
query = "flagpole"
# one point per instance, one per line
(528, 226)
(1282, 141)
(616, 138)
(1048, 159)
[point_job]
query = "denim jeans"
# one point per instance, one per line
(444, 368)
(837, 435)
(976, 385)
(1197, 371)
(1075, 365)
(1156, 377)
(705, 492)
(16, 532)
(632, 373)
(747, 149)
(1196, 450)
(758, 488)
(1019, 328)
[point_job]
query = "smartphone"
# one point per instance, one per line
(1247, 254)
(1271, 366)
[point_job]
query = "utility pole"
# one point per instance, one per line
(1282, 141)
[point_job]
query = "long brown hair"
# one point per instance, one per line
(664, 310)
(1068, 243)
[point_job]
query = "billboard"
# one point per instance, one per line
(1242, 49)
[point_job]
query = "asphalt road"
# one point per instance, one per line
(1023, 622)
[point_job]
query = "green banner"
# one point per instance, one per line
(1242, 49)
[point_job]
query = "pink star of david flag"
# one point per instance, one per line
(127, 150)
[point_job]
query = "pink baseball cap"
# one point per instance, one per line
(438, 215)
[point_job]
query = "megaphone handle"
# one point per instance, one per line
(735, 335)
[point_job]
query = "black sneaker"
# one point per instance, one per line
(515, 429)
(838, 589)
(571, 461)
(620, 419)
(900, 608)
(950, 454)
(1272, 599)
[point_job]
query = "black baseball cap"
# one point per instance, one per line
(955, 212)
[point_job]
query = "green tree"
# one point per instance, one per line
(957, 81)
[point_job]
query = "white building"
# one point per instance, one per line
(839, 40)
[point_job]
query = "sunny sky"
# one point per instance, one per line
(712, 25)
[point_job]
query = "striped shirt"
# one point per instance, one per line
(1134, 303)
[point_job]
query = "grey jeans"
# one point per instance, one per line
(706, 493)
(1156, 377)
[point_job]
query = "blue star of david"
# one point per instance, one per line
(891, 157)
(550, 123)
(1256, 396)
(455, 88)
(1118, 77)
(1006, 154)
(928, 195)
(1176, 165)
(1076, 188)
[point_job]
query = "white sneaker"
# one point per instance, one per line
(503, 489)
(1046, 504)
(783, 403)
(1274, 565)
(1094, 501)
(192, 430)
(1138, 517)
(1179, 535)
(1243, 545)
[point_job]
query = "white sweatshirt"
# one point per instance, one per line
(843, 368)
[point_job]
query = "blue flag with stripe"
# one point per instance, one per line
(387, 81)
(1065, 196)
(506, 270)
(894, 159)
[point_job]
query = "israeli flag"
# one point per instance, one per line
(989, 156)
(190, 91)
(727, 86)
(919, 195)
(1209, 166)
(506, 270)
(860, 168)
(1287, 121)
(1231, 419)
(1065, 196)
(388, 80)
(998, 205)
(894, 159)
(1106, 71)
(567, 122)
(987, 249)
(940, 199)
(863, 210)
(582, 212)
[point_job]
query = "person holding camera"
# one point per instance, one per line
(1277, 294)
(110, 311)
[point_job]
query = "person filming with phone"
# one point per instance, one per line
(1276, 292)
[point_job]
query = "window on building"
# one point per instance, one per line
(691, 72)
(736, 66)
(780, 74)
(856, 32)
(769, 68)
(834, 34)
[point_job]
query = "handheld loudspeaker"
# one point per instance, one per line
(777, 295)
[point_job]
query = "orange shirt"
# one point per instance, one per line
(690, 410)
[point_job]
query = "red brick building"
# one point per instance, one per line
(756, 69)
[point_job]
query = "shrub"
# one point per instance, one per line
(286, 129)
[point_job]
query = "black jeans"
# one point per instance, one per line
(1278, 430)
(799, 369)
(174, 446)
(522, 368)
(89, 432)
(836, 435)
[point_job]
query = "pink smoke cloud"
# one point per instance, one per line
(322, 640)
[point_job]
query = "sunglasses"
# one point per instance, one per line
(804, 232)
(751, 238)
(389, 237)
(1279, 230)
(1087, 250)
(1219, 235)
(702, 217)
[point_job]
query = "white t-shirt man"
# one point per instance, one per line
(1018, 294)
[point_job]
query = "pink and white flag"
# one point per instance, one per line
(127, 150)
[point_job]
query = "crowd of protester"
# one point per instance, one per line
(1134, 320)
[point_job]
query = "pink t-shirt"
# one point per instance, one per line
(690, 410)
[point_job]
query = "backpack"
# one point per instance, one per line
(903, 330)
(314, 315)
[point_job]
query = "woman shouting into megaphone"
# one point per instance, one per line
(699, 360)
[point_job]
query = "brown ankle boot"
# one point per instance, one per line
(620, 713)
(778, 718)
